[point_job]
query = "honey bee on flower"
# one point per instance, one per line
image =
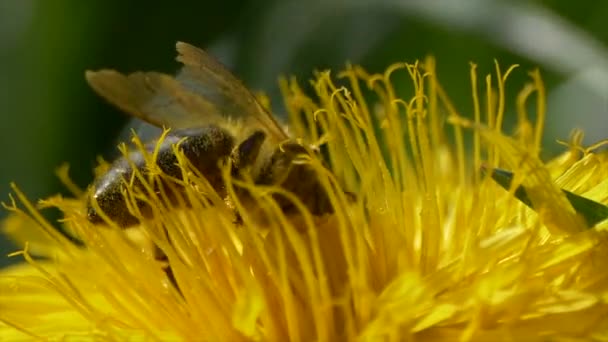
(214, 120)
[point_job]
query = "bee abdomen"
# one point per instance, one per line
(203, 147)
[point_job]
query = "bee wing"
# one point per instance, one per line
(204, 75)
(202, 93)
(153, 97)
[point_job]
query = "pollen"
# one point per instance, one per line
(420, 244)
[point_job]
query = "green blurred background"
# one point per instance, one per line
(50, 116)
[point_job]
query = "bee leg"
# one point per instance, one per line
(238, 219)
(166, 267)
(160, 256)
(169, 273)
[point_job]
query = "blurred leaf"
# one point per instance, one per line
(593, 212)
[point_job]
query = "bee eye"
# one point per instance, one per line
(247, 152)
(252, 143)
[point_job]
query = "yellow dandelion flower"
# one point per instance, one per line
(420, 244)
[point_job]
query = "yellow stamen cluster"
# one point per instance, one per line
(426, 249)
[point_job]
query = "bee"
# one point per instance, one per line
(213, 118)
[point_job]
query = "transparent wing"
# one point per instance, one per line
(204, 75)
(202, 93)
(153, 97)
